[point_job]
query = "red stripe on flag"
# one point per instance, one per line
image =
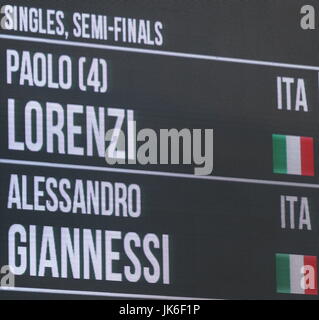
(307, 158)
(311, 277)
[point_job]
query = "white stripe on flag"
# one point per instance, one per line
(296, 264)
(293, 155)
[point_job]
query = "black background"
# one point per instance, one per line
(223, 236)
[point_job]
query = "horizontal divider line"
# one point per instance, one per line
(158, 52)
(97, 293)
(157, 173)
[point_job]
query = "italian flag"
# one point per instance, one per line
(296, 274)
(293, 155)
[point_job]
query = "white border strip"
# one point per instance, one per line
(156, 173)
(98, 294)
(157, 52)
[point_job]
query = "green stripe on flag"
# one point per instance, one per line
(279, 153)
(283, 273)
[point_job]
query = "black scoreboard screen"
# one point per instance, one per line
(159, 149)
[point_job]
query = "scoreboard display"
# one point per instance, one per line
(163, 149)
